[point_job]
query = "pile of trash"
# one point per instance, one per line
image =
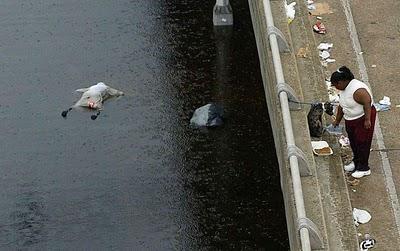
(325, 53)
(383, 104)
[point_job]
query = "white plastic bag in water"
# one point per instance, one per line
(200, 116)
(210, 115)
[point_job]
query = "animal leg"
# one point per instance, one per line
(64, 113)
(94, 116)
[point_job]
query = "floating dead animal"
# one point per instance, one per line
(93, 98)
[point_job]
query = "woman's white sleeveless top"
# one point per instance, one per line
(351, 109)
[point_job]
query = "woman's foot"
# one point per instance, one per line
(360, 174)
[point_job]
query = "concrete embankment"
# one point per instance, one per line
(326, 196)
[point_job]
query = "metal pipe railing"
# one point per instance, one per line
(287, 123)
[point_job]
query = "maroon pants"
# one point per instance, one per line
(360, 140)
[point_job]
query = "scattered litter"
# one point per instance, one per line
(332, 92)
(335, 130)
(381, 108)
(334, 98)
(319, 27)
(311, 7)
(344, 141)
(354, 182)
(385, 101)
(303, 52)
(361, 216)
(290, 11)
(321, 9)
(319, 18)
(373, 66)
(354, 190)
(383, 105)
(324, 46)
(398, 106)
(347, 158)
(321, 148)
(328, 83)
(367, 243)
(359, 234)
(324, 54)
(360, 53)
(384, 149)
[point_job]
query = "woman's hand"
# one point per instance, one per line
(367, 124)
(334, 121)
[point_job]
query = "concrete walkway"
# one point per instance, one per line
(377, 24)
(366, 36)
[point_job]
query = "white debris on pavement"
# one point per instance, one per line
(385, 101)
(344, 141)
(361, 216)
(383, 104)
(290, 11)
(324, 53)
(324, 46)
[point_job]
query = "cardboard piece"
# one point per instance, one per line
(321, 9)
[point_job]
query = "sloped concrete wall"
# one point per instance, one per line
(275, 117)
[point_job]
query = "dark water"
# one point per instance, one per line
(137, 178)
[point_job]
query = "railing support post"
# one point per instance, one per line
(316, 241)
(282, 43)
(294, 105)
(304, 165)
(222, 13)
(286, 94)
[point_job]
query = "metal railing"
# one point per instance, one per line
(287, 123)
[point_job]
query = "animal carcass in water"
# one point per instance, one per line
(210, 115)
(93, 98)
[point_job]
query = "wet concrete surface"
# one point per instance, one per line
(138, 177)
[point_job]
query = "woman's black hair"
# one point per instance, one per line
(343, 73)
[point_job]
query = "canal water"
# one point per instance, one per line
(138, 177)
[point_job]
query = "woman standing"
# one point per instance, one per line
(355, 105)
